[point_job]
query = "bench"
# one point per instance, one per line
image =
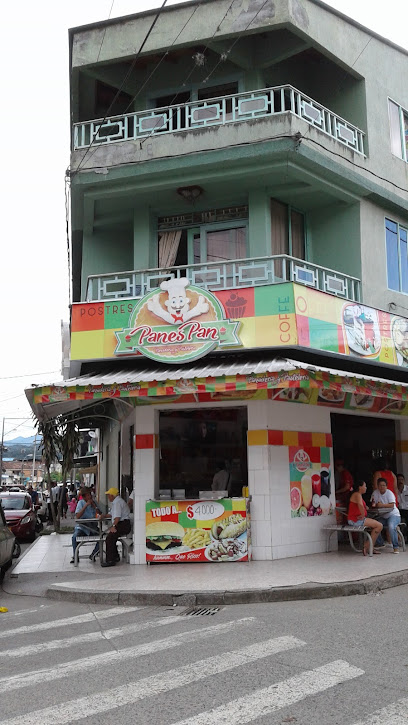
(81, 540)
(350, 530)
(127, 543)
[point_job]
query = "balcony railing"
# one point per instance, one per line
(215, 276)
(218, 111)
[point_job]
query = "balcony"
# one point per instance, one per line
(218, 112)
(214, 276)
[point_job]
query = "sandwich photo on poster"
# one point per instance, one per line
(194, 531)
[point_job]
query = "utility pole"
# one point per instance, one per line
(1, 454)
(34, 449)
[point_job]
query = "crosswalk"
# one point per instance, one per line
(132, 664)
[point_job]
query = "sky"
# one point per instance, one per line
(34, 144)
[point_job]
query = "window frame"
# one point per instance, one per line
(400, 227)
(289, 209)
(403, 114)
(213, 227)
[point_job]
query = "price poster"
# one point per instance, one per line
(195, 531)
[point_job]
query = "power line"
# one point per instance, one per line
(30, 375)
(127, 75)
(131, 102)
(104, 32)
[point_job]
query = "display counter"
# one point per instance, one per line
(203, 530)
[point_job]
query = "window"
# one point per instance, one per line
(398, 130)
(396, 238)
(287, 230)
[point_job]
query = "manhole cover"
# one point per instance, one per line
(201, 611)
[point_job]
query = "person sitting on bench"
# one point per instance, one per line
(85, 509)
(357, 515)
(121, 526)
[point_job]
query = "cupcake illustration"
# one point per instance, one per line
(235, 306)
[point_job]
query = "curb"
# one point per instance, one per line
(371, 585)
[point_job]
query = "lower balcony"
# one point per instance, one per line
(229, 274)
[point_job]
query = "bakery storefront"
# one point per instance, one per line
(212, 398)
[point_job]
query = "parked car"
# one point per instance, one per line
(20, 513)
(7, 545)
(42, 506)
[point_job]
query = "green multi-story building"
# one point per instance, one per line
(251, 158)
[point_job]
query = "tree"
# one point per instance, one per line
(49, 431)
(69, 443)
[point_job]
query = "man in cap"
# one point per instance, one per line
(119, 510)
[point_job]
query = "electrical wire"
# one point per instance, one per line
(104, 32)
(295, 137)
(13, 398)
(30, 375)
(118, 92)
(67, 233)
(134, 98)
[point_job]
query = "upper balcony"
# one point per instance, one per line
(221, 111)
(231, 274)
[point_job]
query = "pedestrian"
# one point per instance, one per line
(55, 494)
(119, 511)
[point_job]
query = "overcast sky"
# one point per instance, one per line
(34, 138)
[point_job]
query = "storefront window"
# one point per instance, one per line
(193, 444)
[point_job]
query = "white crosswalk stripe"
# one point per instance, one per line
(79, 619)
(35, 649)
(6, 615)
(153, 686)
(109, 658)
(270, 699)
(394, 714)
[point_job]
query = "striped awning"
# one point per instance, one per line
(199, 381)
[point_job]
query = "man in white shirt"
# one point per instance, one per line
(121, 526)
(383, 498)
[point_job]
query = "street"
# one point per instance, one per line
(339, 662)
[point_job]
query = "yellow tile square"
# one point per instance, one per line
(290, 438)
(257, 437)
(87, 345)
(319, 440)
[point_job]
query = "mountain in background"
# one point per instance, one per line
(20, 441)
(19, 448)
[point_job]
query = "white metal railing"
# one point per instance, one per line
(225, 275)
(218, 111)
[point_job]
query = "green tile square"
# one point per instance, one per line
(117, 314)
(277, 299)
(323, 335)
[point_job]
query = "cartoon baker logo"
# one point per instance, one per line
(180, 322)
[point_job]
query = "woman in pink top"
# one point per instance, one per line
(357, 514)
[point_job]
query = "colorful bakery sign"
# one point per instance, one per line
(188, 320)
(180, 323)
(195, 531)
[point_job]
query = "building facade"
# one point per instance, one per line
(239, 220)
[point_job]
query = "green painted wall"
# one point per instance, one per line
(334, 238)
(106, 251)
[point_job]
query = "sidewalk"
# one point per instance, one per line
(45, 568)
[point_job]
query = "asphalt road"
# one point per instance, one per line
(341, 661)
